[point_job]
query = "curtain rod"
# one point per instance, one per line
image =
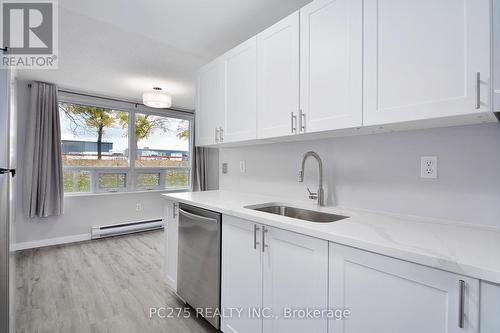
(117, 100)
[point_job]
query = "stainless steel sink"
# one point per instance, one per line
(298, 213)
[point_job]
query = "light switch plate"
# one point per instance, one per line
(243, 167)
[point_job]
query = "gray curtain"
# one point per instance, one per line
(200, 181)
(43, 188)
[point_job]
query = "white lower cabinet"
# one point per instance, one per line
(271, 277)
(490, 307)
(295, 278)
(388, 295)
(273, 271)
(171, 223)
(241, 275)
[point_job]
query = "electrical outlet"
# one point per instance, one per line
(242, 167)
(138, 207)
(428, 167)
(224, 168)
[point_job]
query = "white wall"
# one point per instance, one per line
(83, 212)
(80, 212)
(382, 172)
(213, 169)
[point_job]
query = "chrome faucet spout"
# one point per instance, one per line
(320, 194)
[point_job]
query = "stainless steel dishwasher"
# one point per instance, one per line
(199, 264)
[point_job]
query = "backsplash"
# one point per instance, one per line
(382, 172)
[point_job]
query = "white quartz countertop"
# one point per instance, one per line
(456, 247)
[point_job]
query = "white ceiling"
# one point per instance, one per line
(121, 48)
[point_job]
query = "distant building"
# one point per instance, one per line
(89, 148)
(78, 147)
(181, 155)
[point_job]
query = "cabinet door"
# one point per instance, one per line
(241, 83)
(171, 223)
(278, 77)
(422, 58)
(390, 295)
(295, 277)
(241, 285)
(211, 107)
(490, 307)
(331, 63)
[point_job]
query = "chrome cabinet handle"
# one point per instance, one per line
(197, 218)
(175, 205)
(5, 171)
(255, 243)
(461, 305)
(221, 134)
(264, 245)
(302, 121)
(293, 125)
(478, 90)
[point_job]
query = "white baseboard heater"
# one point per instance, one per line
(125, 228)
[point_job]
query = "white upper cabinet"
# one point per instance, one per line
(331, 59)
(346, 64)
(384, 294)
(425, 59)
(278, 78)
(211, 103)
(241, 85)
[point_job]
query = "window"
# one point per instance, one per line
(76, 181)
(177, 178)
(111, 181)
(154, 134)
(148, 180)
(93, 136)
(125, 148)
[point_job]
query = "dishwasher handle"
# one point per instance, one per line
(197, 217)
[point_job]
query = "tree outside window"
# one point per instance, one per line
(96, 137)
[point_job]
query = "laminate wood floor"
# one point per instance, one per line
(106, 285)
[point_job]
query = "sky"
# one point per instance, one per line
(157, 140)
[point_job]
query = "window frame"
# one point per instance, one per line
(161, 181)
(90, 178)
(95, 180)
(131, 170)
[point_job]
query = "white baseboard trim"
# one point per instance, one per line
(171, 283)
(50, 242)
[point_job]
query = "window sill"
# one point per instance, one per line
(70, 195)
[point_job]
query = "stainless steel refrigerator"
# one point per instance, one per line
(6, 174)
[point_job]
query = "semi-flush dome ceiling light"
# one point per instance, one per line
(157, 99)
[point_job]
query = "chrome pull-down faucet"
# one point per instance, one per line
(320, 195)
